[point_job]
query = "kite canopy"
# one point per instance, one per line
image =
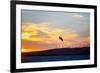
(61, 38)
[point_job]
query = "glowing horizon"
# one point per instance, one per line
(37, 37)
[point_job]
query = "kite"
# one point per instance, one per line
(61, 38)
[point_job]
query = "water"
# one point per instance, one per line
(54, 58)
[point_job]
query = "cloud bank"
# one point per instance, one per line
(41, 36)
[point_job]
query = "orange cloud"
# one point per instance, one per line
(39, 37)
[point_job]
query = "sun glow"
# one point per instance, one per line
(38, 37)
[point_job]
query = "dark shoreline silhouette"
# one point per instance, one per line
(60, 51)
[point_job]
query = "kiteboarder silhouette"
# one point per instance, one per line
(61, 39)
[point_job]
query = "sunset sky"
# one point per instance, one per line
(41, 30)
